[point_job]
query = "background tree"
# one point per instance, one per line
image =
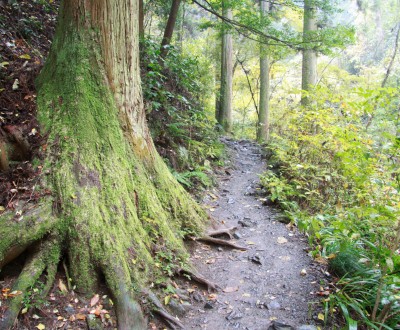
(224, 112)
(309, 65)
(169, 28)
(114, 202)
(263, 109)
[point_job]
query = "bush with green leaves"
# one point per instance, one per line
(337, 177)
(182, 130)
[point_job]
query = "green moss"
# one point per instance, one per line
(109, 192)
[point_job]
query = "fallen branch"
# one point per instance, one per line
(198, 278)
(217, 241)
(159, 309)
(222, 231)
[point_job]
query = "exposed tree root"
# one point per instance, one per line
(45, 255)
(222, 231)
(217, 241)
(18, 232)
(158, 308)
(198, 278)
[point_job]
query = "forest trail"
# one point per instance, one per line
(263, 285)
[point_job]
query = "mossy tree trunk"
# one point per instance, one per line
(115, 203)
(224, 108)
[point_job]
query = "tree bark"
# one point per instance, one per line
(169, 28)
(141, 19)
(225, 99)
(115, 203)
(263, 112)
(309, 67)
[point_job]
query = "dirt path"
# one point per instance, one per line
(264, 283)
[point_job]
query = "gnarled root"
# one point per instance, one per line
(222, 231)
(217, 241)
(19, 233)
(45, 257)
(158, 308)
(198, 278)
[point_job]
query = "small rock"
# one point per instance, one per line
(197, 297)
(177, 308)
(70, 310)
(280, 326)
(208, 305)
(256, 260)
(220, 249)
(274, 305)
(303, 272)
(307, 327)
(231, 201)
(237, 236)
(234, 315)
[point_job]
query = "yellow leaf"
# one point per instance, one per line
(25, 310)
(25, 56)
(250, 243)
(167, 299)
(321, 317)
(41, 326)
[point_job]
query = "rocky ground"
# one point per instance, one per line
(273, 284)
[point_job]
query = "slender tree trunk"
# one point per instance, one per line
(141, 19)
(169, 29)
(263, 112)
(114, 203)
(309, 69)
(225, 104)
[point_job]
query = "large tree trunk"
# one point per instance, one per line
(169, 28)
(115, 204)
(309, 68)
(224, 111)
(263, 111)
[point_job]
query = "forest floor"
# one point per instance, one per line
(273, 284)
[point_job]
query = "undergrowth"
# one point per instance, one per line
(183, 132)
(339, 181)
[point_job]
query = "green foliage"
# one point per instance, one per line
(339, 182)
(174, 89)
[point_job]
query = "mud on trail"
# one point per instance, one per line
(274, 280)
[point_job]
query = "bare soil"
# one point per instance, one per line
(274, 280)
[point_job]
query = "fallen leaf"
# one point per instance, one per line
(210, 261)
(81, 316)
(231, 289)
(24, 310)
(190, 290)
(25, 56)
(41, 326)
(303, 272)
(321, 260)
(15, 84)
(250, 243)
(62, 286)
(167, 299)
(246, 295)
(36, 317)
(321, 317)
(2, 208)
(282, 240)
(94, 300)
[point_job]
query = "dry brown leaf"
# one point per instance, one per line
(81, 317)
(94, 300)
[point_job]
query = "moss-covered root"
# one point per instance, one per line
(43, 258)
(17, 233)
(129, 313)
